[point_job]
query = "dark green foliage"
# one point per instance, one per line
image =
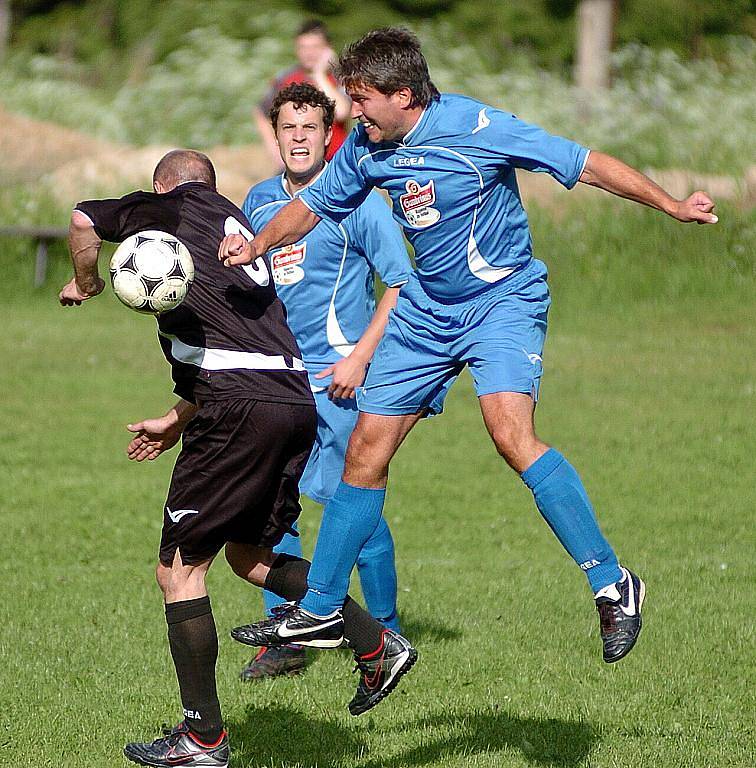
(93, 30)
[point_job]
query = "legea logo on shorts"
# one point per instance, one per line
(177, 514)
(417, 204)
(285, 263)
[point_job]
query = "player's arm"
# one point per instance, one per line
(612, 175)
(289, 225)
(342, 102)
(349, 373)
(156, 436)
(268, 136)
(84, 246)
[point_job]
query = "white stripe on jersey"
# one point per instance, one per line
(475, 261)
(334, 334)
(228, 359)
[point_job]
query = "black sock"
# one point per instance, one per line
(194, 646)
(288, 579)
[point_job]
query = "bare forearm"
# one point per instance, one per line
(612, 175)
(342, 102)
(84, 245)
(290, 224)
(268, 137)
(366, 346)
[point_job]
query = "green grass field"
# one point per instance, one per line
(650, 390)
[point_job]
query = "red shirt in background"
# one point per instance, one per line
(299, 75)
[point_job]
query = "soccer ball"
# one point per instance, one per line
(151, 272)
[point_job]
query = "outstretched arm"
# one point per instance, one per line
(84, 245)
(156, 436)
(290, 224)
(610, 174)
(349, 373)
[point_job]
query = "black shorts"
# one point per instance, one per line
(237, 477)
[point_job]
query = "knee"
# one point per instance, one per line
(518, 447)
(365, 463)
(163, 578)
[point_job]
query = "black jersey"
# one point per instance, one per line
(229, 337)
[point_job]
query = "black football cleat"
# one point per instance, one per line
(180, 747)
(275, 662)
(292, 624)
(381, 670)
(619, 609)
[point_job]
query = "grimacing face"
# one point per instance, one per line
(384, 117)
(302, 139)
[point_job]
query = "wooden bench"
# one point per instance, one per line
(43, 236)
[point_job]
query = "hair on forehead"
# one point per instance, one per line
(300, 95)
(388, 59)
(314, 27)
(182, 165)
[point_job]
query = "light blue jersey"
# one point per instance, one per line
(326, 279)
(453, 188)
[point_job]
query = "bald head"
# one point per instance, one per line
(180, 166)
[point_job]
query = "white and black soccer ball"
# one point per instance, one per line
(151, 272)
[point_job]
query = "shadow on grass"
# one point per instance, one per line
(540, 741)
(288, 737)
(280, 736)
(419, 629)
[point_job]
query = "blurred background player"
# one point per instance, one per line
(478, 298)
(243, 387)
(326, 281)
(315, 59)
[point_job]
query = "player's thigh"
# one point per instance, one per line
(503, 343)
(236, 478)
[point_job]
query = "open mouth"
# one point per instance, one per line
(300, 152)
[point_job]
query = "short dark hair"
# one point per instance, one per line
(388, 59)
(299, 94)
(182, 165)
(313, 26)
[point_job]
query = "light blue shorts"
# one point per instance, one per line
(499, 334)
(336, 420)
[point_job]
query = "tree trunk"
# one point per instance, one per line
(595, 33)
(5, 27)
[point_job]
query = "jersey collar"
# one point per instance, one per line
(311, 181)
(421, 121)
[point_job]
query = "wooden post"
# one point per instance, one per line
(40, 263)
(5, 27)
(595, 33)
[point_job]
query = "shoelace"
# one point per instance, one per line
(278, 611)
(364, 666)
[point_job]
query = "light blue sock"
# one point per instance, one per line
(289, 545)
(562, 500)
(349, 520)
(377, 570)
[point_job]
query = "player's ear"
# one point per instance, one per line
(404, 97)
(328, 134)
(158, 187)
